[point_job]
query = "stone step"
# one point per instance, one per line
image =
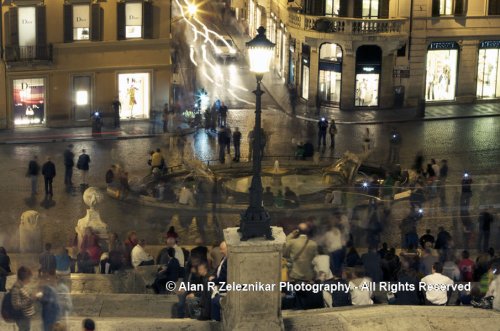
(121, 305)
(128, 324)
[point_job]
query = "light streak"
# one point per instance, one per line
(240, 99)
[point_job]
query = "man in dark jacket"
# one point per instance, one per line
(33, 173)
(485, 219)
(49, 172)
(237, 143)
(83, 166)
(68, 166)
(221, 139)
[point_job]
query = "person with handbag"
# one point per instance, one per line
(300, 251)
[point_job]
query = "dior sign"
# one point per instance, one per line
(27, 26)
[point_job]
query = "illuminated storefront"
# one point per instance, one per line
(29, 101)
(134, 94)
(291, 62)
(368, 68)
(441, 79)
(306, 51)
(330, 73)
(488, 70)
(82, 93)
(251, 18)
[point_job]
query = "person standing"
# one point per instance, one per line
(443, 176)
(228, 139)
(33, 173)
(236, 143)
(117, 105)
(83, 166)
(22, 300)
(367, 139)
(332, 131)
(466, 191)
(223, 115)
(221, 139)
(485, 219)
(48, 262)
(4, 268)
(49, 172)
(68, 166)
(322, 128)
(394, 146)
(250, 145)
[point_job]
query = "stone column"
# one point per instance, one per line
(467, 72)
(313, 77)
(386, 93)
(256, 261)
(348, 88)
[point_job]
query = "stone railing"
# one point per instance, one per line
(346, 25)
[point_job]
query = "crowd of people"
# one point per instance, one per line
(328, 256)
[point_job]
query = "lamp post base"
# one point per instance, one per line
(255, 223)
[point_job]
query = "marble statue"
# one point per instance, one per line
(92, 197)
(30, 233)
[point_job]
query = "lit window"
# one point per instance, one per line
(82, 98)
(81, 22)
(446, 7)
(133, 20)
(332, 7)
(370, 8)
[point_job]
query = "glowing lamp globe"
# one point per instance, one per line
(260, 52)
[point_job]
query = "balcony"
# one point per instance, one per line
(347, 25)
(28, 54)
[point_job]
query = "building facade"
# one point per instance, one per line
(64, 60)
(376, 54)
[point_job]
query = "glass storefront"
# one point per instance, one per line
(368, 68)
(29, 101)
(488, 70)
(441, 71)
(134, 94)
(291, 63)
(330, 73)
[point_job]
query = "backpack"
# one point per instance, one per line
(9, 313)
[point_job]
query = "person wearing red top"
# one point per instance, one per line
(90, 244)
(466, 267)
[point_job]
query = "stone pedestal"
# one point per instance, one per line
(256, 261)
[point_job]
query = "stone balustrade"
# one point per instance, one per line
(346, 25)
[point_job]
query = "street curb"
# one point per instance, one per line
(408, 120)
(45, 141)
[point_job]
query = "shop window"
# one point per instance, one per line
(330, 73)
(26, 34)
(494, 7)
(488, 70)
(29, 101)
(368, 69)
(441, 71)
(332, 7)
(305, 81)
(82, 91)
(81, 22)
(134, 95)
(135, 20)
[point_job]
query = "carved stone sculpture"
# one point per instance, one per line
(30, 233)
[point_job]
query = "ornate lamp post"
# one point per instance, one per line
(255, 221)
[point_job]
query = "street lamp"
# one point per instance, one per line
(255, 221)
(192, 9)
